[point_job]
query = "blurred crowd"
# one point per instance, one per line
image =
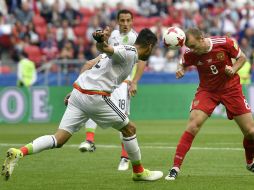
(47, 30)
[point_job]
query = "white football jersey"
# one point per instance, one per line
(111, 71)
(116, 38)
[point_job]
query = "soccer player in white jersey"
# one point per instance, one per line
(125, 35)
(90, 98)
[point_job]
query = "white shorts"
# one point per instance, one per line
(100, 109)
(121, 98)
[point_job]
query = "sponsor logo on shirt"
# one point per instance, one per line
(220, 56)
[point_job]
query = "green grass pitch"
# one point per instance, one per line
(216, 160)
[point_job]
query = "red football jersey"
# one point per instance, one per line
(211, 65)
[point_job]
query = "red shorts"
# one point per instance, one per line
(233, 100)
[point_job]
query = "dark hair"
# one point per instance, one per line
(195, 32)
(146, 37)
(124, 11)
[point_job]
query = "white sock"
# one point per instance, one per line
(132, 148)
(44, 143)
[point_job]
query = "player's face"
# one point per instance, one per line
(146, 52)
(197, 46)
(125, 23)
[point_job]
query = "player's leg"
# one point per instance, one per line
(121, 99)
(89, 145)
(39, 144)
(196, 120)
(124, 159)
(70, 123)
(246, 124)
(239, 110)
(131, 145)
(109, 115)
(201, 108)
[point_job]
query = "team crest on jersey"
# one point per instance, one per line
(125, 39)
(220, 56)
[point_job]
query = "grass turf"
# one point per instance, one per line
(216, 160)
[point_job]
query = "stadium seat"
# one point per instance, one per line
(138, 28)
(80, 30)
(86, 12)
(85, 21)
(42, 31)
(39, 21)
(5, 41)
(34, 53)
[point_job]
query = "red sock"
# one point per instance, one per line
(137, 168)
(90, 136)
(24, 150)
(124, 153)
(249, 150)
(182, 148)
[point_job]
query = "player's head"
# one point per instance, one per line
(145, 42)
(124, 20)
(195, 40)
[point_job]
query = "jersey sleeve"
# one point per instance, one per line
(119, 54)
(232, 48)
(186, 60)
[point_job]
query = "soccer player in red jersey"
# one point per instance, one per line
(219, 83)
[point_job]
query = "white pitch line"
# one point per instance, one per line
(142, 147)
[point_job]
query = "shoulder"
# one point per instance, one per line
(133, 33)
(221, 40)
(115, 33)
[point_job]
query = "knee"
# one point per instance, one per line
(249, 134)
(193, 127)
(129, 130)
(61, 138)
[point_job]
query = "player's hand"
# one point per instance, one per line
(98, 35)
(180, 73)
(102, 35)
(229, 71)
(133, 89)
(67, 98)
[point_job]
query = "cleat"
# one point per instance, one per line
(147, 175)
(172, 174)
(124, 164)
(87, 146)
(12, 157)
(250, 167)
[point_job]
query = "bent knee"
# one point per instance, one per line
(249, 134)
(193, 127)
(129, 130)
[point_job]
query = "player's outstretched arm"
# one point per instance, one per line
(138, 74)
(89, 64)
(230, 71)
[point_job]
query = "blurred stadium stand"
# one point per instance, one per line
(53, 31)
